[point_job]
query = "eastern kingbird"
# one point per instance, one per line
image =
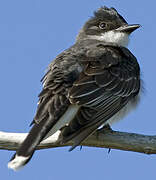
(91, 84)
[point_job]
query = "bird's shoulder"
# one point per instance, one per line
(108, 69)
(110, 54)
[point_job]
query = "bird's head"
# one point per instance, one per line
(108, 26)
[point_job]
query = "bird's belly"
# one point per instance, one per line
(124, 111)
(64, 120)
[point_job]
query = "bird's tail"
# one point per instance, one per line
(17, 161)
(46, 127)
(27, 148)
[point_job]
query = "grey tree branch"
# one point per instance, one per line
(102, 138)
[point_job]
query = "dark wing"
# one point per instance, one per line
(53, 96)
(105, 86)
(53, 103)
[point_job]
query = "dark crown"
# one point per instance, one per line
(109, 14)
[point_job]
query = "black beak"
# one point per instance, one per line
(129, 28)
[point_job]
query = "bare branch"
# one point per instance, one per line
(101, 138)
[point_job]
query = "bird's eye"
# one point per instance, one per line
(102, 25)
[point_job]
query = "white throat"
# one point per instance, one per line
(119, 38)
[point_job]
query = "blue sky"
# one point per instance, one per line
(32, 33)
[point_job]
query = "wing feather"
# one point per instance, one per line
(104, 88)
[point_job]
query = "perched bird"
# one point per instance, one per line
(93, 83)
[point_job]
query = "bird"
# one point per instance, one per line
(92, 84)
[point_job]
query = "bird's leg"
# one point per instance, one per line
(105, 129)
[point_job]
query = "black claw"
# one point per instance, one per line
(109, 150)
